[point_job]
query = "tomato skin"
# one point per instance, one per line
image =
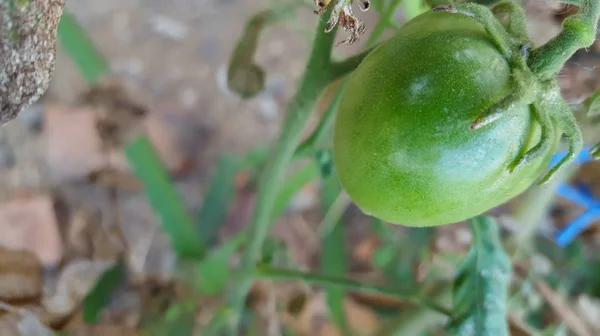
(403, 147)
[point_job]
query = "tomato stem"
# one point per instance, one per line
(328, 280)
(578, 31)
(308, 146)
(516, 26)
(317, 76)
(385, 21)
(340, 69)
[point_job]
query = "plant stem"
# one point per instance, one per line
(340, 69)
(308, 146)
(528, 215)
(315, 78)
(578, 31)
(384, 22)
(327, 280)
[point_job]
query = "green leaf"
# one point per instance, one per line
(178, 320)
(82, 51)
(214, 269)
(324, 160)
(254, 160)
(163, 197)
(276, 252)
(481, 286)
(99, 297)
(334, 260)
(217, 199)
(399, 254)
(592, 104)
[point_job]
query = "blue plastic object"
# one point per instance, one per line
(580, 195)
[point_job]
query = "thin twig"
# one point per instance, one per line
(556, 303)
(561, 309)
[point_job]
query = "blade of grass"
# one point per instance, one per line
(214, 269)
(333, 256)
(77, 44)
(140, 153)
(163, 197)
(99, 297)
(217, 199)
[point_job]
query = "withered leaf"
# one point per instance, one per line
(22, 324)
(28, 31)
(21, 275)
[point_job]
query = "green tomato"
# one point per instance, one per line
(403, 146)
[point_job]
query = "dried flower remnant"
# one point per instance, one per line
(343, 16)
(28, 31)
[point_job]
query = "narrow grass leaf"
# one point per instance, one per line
(217, 199)
(99, 297)
(399, 255)
(334, 260)
(82, 51)
(180, 319)
(480, 290)
(163, 197)
(214, 269)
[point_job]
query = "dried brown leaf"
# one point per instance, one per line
(21, 275)
(562, 309)
(22, 323)
(313, 318)
(114, 178)
(118, 116)
(101, 330)
(87, 238)
(74, 283)
(518, 327)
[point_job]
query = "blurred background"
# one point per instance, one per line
(72, 211)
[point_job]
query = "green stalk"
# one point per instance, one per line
(315, 79)
(532, 208)
(351, 284)
(384, 22)
(578, 31)
(307, 147)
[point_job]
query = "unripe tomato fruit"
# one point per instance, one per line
(403, 147)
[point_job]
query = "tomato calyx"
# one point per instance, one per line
(343, 16)
(548, 109)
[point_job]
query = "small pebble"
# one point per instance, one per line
(169, 27)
